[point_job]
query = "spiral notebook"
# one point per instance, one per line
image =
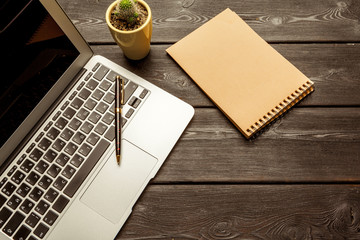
(241, 73)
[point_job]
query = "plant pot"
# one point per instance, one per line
(135, 43)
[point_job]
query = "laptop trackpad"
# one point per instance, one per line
(116, 187)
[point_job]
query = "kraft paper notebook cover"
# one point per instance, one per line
(241, 73)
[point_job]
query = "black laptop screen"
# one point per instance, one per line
(35, 53)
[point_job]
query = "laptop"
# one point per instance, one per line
(59, 175)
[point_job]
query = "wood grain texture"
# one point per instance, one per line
(250, 212)
(291, 181)
(335, 69)
(305, 145)
(276, 20)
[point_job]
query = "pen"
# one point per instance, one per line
(119, 101)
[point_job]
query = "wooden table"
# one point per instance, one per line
(300, 178)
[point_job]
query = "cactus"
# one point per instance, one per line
(127, 10)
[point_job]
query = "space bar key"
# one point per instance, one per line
(87, 166)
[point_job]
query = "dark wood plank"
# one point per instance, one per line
(305, 145)
(277, 20)
(245, 212)
(334, 68)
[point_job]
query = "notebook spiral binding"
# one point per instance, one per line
(282, 107)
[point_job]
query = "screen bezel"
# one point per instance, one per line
(85, 53)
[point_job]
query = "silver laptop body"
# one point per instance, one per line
(59, 178)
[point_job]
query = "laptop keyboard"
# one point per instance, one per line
(39, 185)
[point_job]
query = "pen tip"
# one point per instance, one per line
(118, 159)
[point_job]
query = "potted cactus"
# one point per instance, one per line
(130, 24)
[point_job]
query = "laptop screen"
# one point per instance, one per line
(35, 53)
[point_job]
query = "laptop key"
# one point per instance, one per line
(76, 103)
(64, 105)
(44, 144)
(45, 182)
(80, 86)
(84, 93)
(101, 72)
(39, 137)
(8, 189)
(56, 116)
(51, 195)
(75, 124)
(36, 194)
(132, 100)
(50, 218)
(60, 203)
(110, 134)
(93, 139)
(136, 103)
(11, 171)
(32, 178)
(86, 127)
(94, 117)
(2, 200)
(86, 167)
(18, 177)
(68, 172)
(73, 95)
(90, 104)
(79, 138)
(31, 147)
(48, 126)
(61, 123)
(112, 76)
(85, 149)
(69, 113)
(60, 183)
(32, 220)
(42, 207)
(77, 160)
(36, 154)
(129, 90)
(88, 76)
(123, 122)
(129, 113)
(82, 114)
(22, 158)
(3, 181)
(100, 128)
(58, 145)
(27, 206)
(143, 93)
(105, 85)
(14, 202)
(66, 134)
(108, 118)
(98, 94)
(41, 166)
(92, 84)
(22, 233)
(109, 98)
(13, 223)
(54, 170)
(50, 155)
(62, 159)
(70, 148)
(52, 133)
(102, 107)
(97, 65)
(41, 230)
(4, 215)
(23, 190)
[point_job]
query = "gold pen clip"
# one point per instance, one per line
(122, 91)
